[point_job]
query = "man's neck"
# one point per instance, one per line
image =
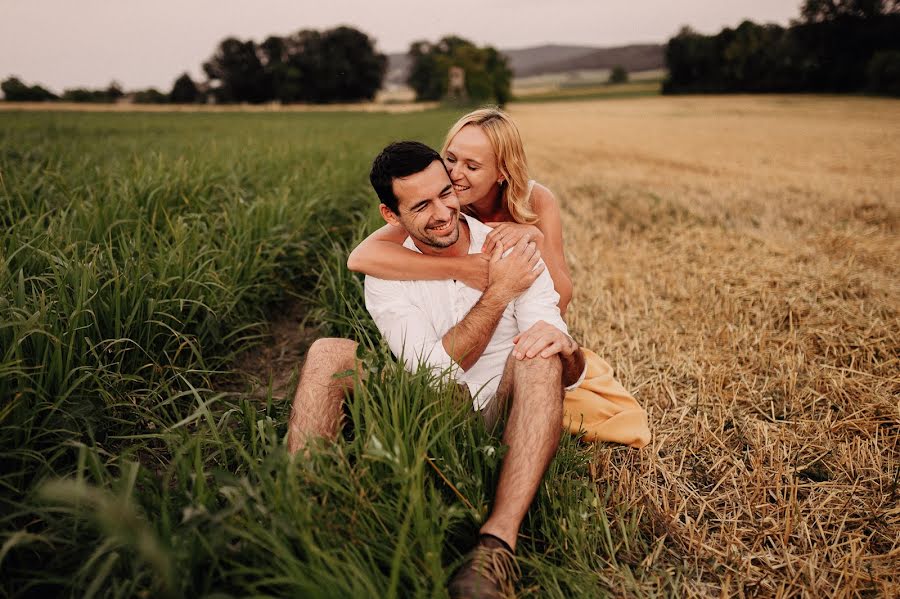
(460, 248)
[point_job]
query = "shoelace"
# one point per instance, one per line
(498, 565)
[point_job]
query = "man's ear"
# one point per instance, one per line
(388, 215)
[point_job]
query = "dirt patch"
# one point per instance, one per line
(273, 366)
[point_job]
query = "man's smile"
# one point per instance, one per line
(444, 227)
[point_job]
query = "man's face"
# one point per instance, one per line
(428, 207)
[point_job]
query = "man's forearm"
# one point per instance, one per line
(573, 366)
(466, 341)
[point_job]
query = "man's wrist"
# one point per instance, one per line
(496, 296)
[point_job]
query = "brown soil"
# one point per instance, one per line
(273, 366)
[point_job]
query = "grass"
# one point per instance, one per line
(140, 255)
(593, 91)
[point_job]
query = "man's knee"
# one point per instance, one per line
(333, 353)
(537, 373)
(548, 367)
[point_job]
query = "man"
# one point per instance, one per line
(507, 345)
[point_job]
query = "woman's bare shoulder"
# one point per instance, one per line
(543, 201)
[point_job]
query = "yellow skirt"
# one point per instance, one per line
(603, 408)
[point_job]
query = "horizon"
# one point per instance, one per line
(92, 44)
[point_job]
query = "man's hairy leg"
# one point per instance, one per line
(534, 387)
(317, 409)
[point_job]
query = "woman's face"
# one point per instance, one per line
(472, 166)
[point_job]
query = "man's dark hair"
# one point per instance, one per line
(400, 159)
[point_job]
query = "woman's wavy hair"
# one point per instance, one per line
(510, 155)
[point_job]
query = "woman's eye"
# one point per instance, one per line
(473, 168)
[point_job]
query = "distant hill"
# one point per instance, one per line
(639, 57)
(553, 58)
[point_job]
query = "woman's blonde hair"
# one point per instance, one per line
(510, 155)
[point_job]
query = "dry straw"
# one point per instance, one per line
(737, 261)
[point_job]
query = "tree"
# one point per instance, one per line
(236, 68)
(16, 91)
(100, 96)
(113, 92)
(618, 75)
(184, 90)
(817, 11)
(341, 66)
(487, 73)
(884, 73)
(150, 96)
(336, 65)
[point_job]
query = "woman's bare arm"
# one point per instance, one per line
(550, 223)
(382, 255)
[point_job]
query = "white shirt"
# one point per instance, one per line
(413, 316)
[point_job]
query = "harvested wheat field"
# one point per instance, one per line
(737, 260)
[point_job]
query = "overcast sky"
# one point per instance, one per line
(142, 43)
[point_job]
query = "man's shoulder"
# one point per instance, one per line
(477, 231)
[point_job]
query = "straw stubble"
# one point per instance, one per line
(736, 260)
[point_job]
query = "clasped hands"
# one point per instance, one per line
(505, 235)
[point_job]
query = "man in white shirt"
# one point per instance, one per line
(508, 345)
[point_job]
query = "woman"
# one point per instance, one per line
(485, 159)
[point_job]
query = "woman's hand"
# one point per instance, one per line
(509, 234)
(473, 270)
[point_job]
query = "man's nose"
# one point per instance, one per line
(445, 209)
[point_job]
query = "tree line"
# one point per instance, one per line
(335, 65)
(837, 46)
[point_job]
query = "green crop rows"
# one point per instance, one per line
(138, 254)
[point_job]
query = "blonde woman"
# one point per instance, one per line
(485, 158)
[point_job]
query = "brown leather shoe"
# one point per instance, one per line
(489, 571)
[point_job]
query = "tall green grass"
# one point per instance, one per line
(138, 255)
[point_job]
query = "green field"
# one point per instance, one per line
(139, 254)
(594, 91)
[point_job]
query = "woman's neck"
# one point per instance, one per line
(490, 209)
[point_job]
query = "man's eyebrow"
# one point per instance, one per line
(446, 190)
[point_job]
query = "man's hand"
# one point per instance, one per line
(511, 275)
(474, 270)
(545, 340)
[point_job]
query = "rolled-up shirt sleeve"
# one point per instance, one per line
(541, 302)
(407, 329)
